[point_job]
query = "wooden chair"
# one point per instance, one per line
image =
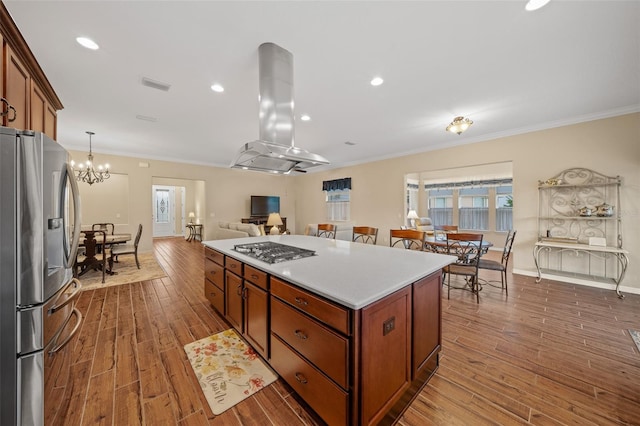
(126, 249)
(326, 230)
(109, 228)
(468, 249)
(410, 239)
(501, 266)
(365, 234)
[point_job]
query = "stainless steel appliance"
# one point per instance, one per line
(39, 233)
(271, 252)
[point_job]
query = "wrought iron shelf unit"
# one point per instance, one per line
(595, 252)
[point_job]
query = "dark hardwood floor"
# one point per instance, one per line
(548, 353)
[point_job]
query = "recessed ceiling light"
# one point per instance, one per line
(305, 117)
(146, 118)
(377, 81)
(349, 143)
(88, 43)
(535, 4)
(217, 88)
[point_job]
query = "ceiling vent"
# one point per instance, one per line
(154, 84)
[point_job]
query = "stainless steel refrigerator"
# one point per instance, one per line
(39, 232)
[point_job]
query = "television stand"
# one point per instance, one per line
(262, 220)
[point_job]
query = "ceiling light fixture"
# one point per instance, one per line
(217, 88)
(459, 125)
(535, 5)
(305, 117)
(88, 43)
(86, 172)
(377, 81)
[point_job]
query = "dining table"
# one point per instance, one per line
(438, 244)
(95, 243)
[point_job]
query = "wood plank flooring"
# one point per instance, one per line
(546, 354)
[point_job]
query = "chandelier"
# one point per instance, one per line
(459, 125)
(85, 172)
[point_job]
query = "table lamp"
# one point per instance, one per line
(412, 216)
(274, 221)
(191, 216)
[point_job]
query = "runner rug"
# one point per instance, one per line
(635, 335)
(228, 369)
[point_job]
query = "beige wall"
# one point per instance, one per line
(610, 146)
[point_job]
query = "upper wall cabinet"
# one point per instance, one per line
(28, 100)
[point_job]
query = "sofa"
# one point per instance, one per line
(226, 230)
(425, 224)
(344, 230)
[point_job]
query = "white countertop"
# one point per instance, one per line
(351, 274)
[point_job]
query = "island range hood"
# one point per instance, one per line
(275, 151)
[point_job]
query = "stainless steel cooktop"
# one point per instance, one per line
(271, 252)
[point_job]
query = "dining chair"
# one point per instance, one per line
(410, 239)
(109, 228)
(326, 230)
(500, 266)
(126, 249)
(365, 234)
(468, 250)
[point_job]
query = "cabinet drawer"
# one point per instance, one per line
(256, 276)
(328, 313)
(214, 273)
(233, 265)
(215, 256)
(327, 399)
(215, 296)
(324, 348)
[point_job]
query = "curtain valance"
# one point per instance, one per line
(336, 184)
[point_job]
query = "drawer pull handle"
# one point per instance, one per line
(301, 378)
(239, 290)
(232, 266)
(301, 301)
(300, 335)
(254, 276)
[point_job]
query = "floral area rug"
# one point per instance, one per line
(635, 335)
(228, 369)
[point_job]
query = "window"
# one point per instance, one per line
(338, 205)
(412, 196)
(441, 206)
(504, 208)
(473, 208)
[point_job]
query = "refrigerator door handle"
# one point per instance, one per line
(70, 298)
(76, 217)
(59, 346)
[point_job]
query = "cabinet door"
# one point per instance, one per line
(17, 91)
(38, 108)
(233, 300)
(215, 296)
(51, 122)
(256, 305)
(426, 320)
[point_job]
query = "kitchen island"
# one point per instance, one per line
(354, 329)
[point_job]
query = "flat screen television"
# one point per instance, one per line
(262, 205)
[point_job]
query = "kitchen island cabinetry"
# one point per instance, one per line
(354, 330)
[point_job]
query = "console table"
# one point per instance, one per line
(195, 231)
(262, 220)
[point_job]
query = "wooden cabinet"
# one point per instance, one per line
(426, 313)
(17, 90)
(24, 85)
(233, 300)
(262, 220)
(239, 292)
(351, 366)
